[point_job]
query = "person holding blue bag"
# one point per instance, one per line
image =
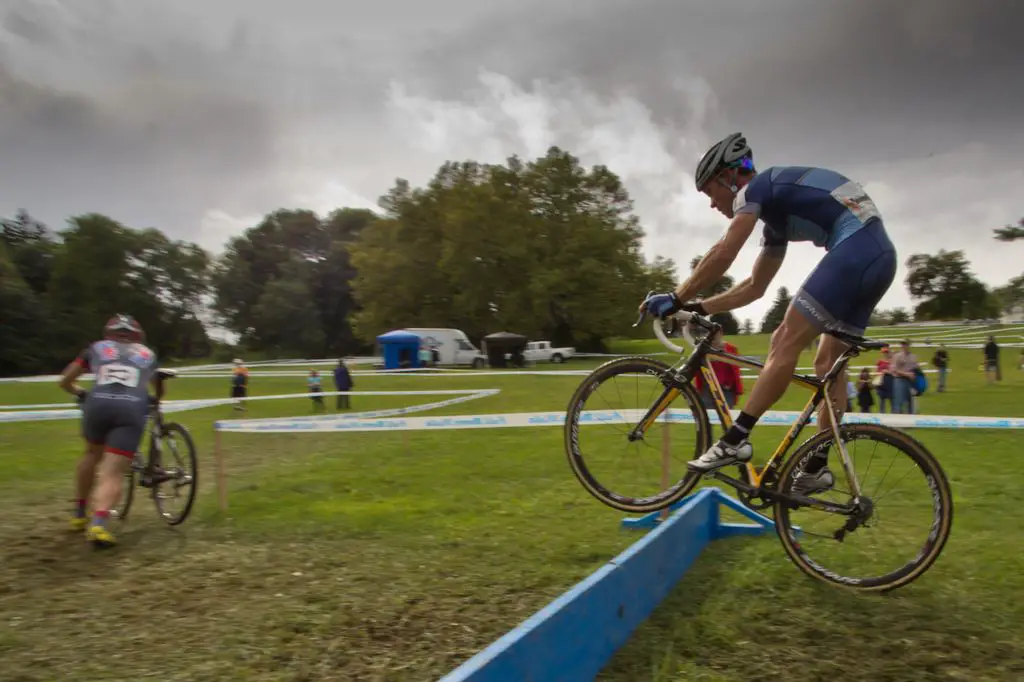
(904, 364)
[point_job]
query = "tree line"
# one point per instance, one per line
(544, 247)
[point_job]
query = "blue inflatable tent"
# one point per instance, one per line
(400, 349)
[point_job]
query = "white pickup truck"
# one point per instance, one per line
(541, 351)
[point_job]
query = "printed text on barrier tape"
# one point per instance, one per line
(532, 419)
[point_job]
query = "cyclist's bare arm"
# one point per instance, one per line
(719, 257)
(70, 375)
(752, 288)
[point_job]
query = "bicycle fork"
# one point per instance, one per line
(670, 393)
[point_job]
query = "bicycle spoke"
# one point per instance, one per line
(891, 537)
(629, 474)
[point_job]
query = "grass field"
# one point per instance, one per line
(367, 556)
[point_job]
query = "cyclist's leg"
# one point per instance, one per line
(841, 293)
(788, 341)
(828, 352)
(94, 433)
(122, 443)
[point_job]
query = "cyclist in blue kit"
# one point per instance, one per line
(795, 203)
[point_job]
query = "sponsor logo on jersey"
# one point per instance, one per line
(108, 351)
(141, 355)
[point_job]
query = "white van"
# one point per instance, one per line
(453, 346)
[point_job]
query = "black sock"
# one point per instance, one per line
(739, 430)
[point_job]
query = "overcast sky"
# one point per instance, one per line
(198, 117)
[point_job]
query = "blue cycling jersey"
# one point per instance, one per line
(801, 203)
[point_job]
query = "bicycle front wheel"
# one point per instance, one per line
(648, 474)
(177, 476)
(892, 534)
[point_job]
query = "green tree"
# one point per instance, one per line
(728, 321)
(748, 326)
(773, 318)
(287, 245)
(24, 331)
(547, 248)
(947, 288)
(104, 267)
(1010, 233)
(660, 274)
(285, 317)
(31, 247)
(177, 273)
(1011, 294)
(889, 317)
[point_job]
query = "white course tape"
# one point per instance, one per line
(171, 406)
(466, 396)
(528, 419)
(424, 372)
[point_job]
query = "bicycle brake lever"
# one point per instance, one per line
(643, 312)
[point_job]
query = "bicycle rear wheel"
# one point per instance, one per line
(906, 492)
(653, 471)
(176, 470)
(120, 512)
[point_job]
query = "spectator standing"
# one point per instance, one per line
(865, 390)
(315, 390)
(240, 384)
(728, 376)
(991, 351)
(902, 370)
(884, 380)
(941, 363)
(343, 382)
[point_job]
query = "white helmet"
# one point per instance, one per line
(237, 361)
(731, 152)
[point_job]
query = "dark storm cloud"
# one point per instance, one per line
(168, 113)
(905, 73)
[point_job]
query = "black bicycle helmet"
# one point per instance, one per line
(731, 152)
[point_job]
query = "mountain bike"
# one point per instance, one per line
(849, 509)
(164, 481)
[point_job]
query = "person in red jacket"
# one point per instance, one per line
(728, 376)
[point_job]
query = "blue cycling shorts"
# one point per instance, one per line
(843, 291)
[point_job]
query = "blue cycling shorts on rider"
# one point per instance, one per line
(799, 203)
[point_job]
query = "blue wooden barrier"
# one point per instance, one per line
(574, 636)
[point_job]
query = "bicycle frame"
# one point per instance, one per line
(821, 392)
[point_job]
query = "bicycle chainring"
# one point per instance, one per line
(758, 502)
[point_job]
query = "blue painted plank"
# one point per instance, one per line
(728, 530)
(737, 506)
(573, 637)
(654, 518)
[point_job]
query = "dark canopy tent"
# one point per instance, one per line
(400, 349)
(500, 344)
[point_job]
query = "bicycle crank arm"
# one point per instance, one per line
(739, 485)
(802, 501)
(775, 496)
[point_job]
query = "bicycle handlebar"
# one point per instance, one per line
(686, 318)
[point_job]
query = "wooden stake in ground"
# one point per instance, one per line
(666, 461)
(222, 483)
